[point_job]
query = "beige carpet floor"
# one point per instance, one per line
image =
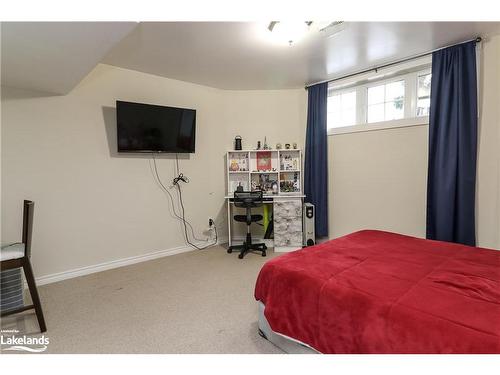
(196, 302)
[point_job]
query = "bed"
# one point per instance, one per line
(380, 292)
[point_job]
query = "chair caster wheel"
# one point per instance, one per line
(263, 253)
(229, 251)
(240, 256)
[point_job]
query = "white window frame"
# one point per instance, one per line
(410, 101)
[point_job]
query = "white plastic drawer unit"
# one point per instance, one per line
(288, 208)
(288, 223)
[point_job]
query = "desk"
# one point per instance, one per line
(287, 220)
(278, 173)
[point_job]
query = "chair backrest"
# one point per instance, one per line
(248, 199)
(29, 206)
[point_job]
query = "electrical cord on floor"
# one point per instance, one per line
(181, 177)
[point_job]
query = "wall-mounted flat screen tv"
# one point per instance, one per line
(154, 128)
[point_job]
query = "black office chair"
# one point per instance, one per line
(248, 200)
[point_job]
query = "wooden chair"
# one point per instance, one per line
(18, 255)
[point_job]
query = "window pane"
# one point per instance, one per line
(334, 120)
(376, 112)
(348, 116)
(342, 110)
(376, 94)
(333, 108)
(394, 91)
(424, 85)
(349, 100)
(423, 106)
(334, 103)
(394, 110)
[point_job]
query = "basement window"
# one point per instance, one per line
(386, 101)
(424, 94)
(342, 109)
(395, 97)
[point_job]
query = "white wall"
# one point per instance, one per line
(94, 205)
(378, 178)
(279, 115)
(488, 173)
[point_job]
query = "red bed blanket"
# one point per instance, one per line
(380, 292)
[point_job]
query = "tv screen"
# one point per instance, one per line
(154, 128)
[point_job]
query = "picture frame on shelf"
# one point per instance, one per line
(289, 160)
(264, 162)
(238, 162)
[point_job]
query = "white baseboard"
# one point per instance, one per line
(55, 277)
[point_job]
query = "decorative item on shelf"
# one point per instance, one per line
(237, 143)
(275, 187)
(266, 147)
(243, 163)
(234, 167)
(264, 161)
(238, 186)
(288, 162)
(265, 183)
(296, 184)
(289, 186)
(258, 145)
(278, 146)
(254, 185)
(287, 146)
(294, 145)
(285, 186)
(263, 179)
(238, 162)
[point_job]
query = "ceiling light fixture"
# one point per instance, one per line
(290, 32)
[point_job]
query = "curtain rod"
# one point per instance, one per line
(414, 57)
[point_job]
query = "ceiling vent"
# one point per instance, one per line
(333, 28)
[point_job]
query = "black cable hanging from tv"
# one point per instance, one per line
(176, 182)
